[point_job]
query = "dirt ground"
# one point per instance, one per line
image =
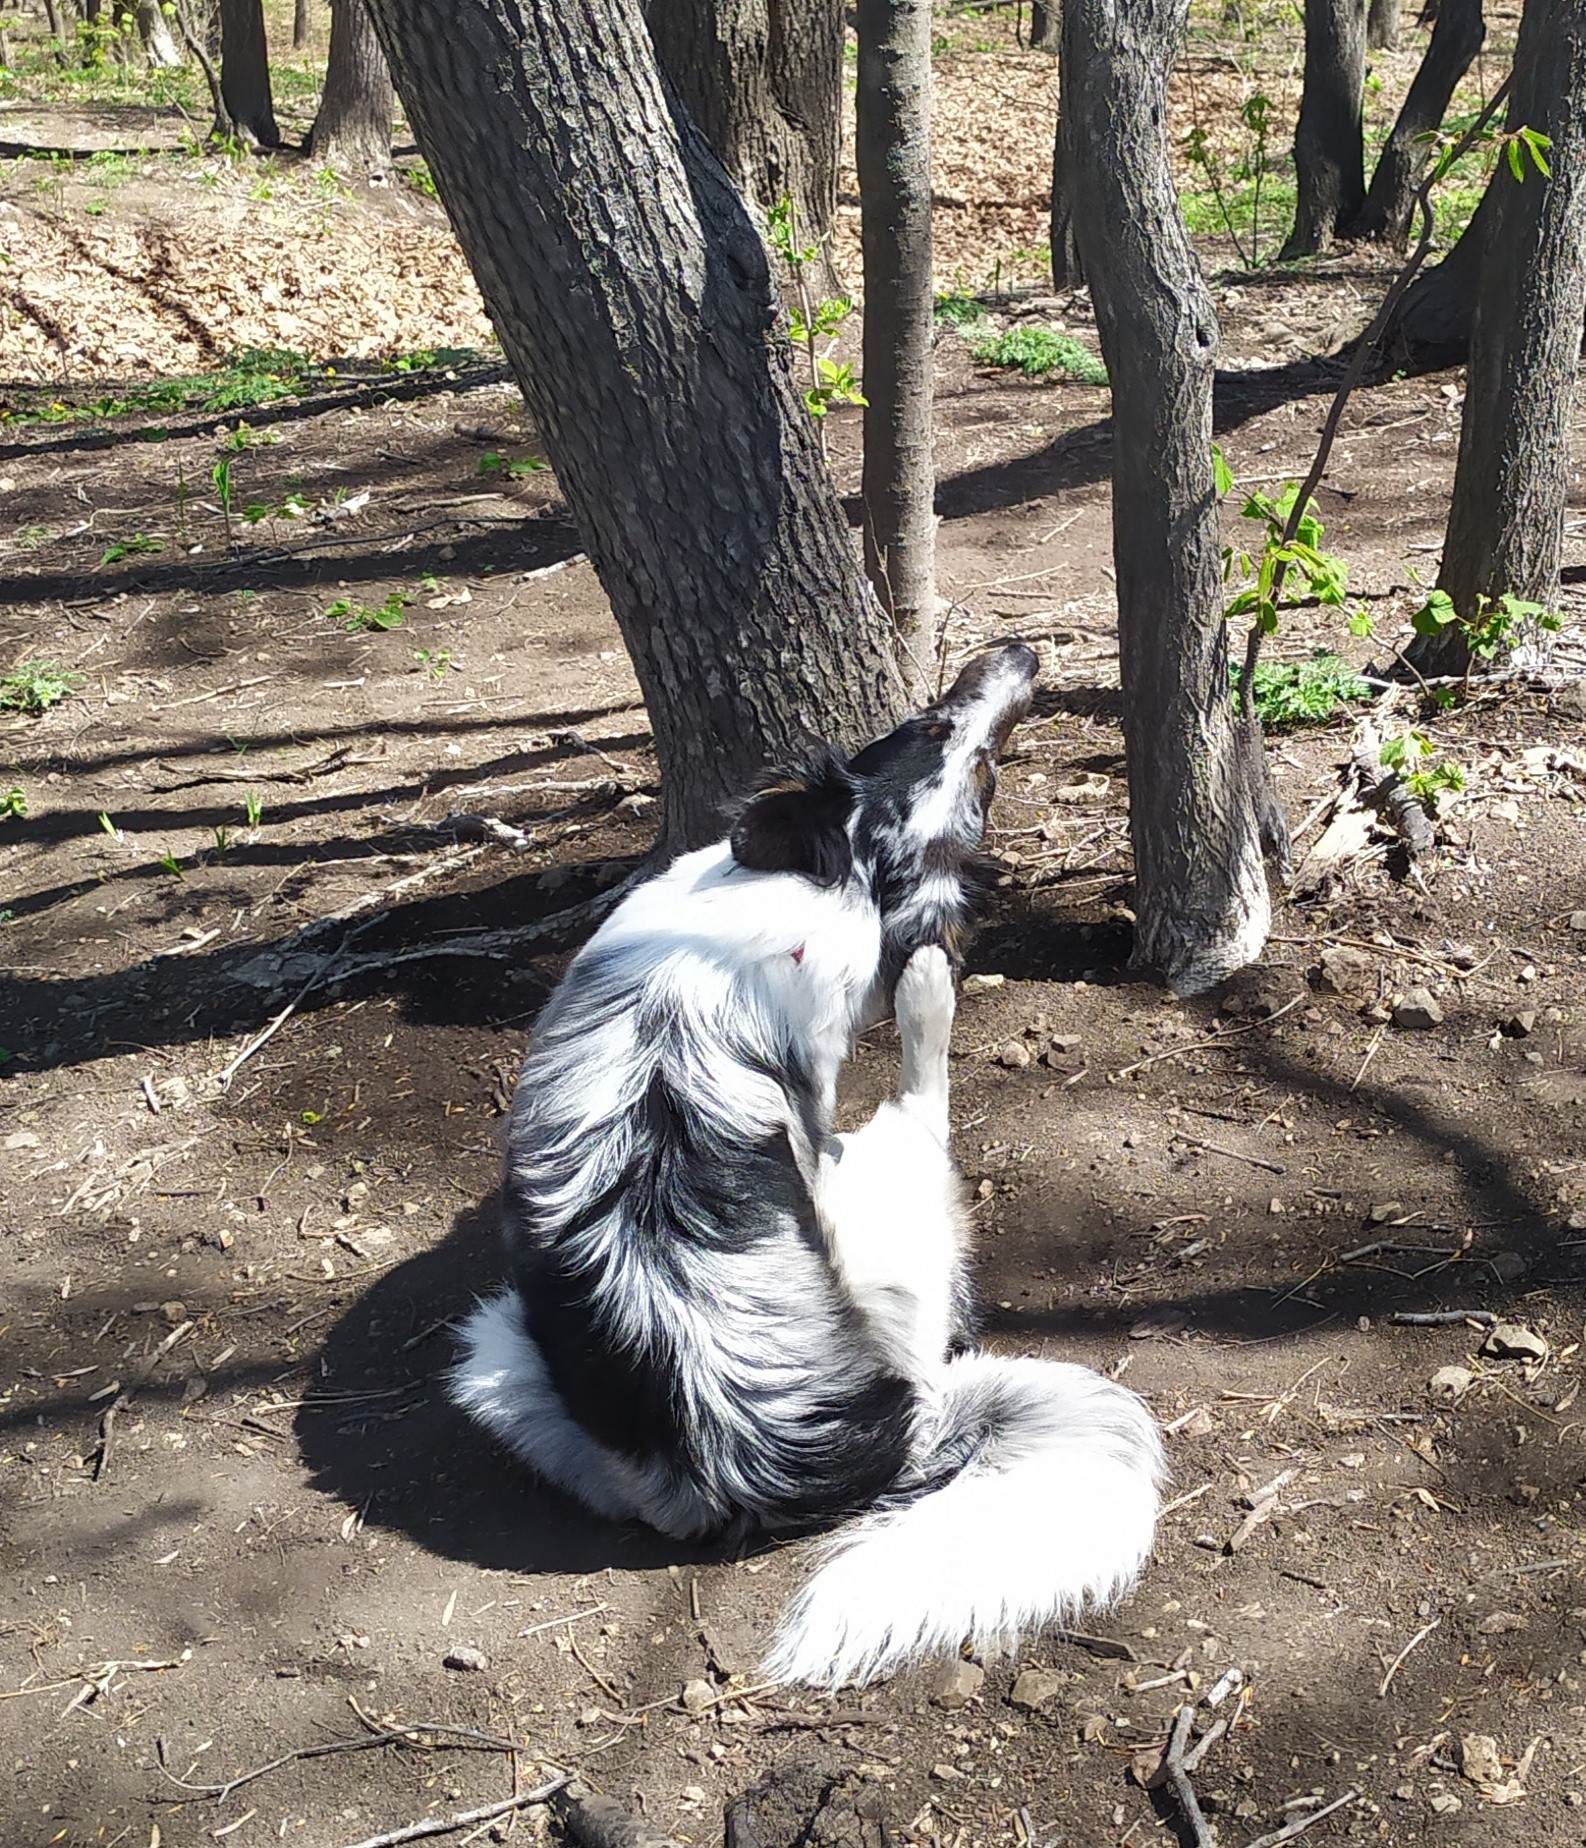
(257, 1046)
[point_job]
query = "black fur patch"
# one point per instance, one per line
(800, 825)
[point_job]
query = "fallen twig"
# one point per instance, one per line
(1442, 1318)
(444, 1825)
(1299, 1824)
(1215, 1039)
(268, 1032)
(1178, 1777)
(107, 1420)
(1403, 1656)
(1216, 1148)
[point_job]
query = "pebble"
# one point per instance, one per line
(1343, 971)
(1522, 1024)
(1200, 1423)
(1015, 1056)
(957, 1685)
(1445, 1803)
(1418, 1011)
(464, 1657)
(1035, 1688)
(1508, 1266)
(1514, 1341)
(1500, 1623)
(980, 984)
(1451, 1383)
(1577, 920)
(1386, 1210)
(1478, 1759)
(698, 1696)
(173, 1313)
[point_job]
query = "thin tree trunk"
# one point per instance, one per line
(1046, 25)
(1329, 152)
(634, 298)
(1456, 38)
(1506, 517)
(763, 81)
(1382, 25)
(159, 47)
(224, 127)
(892, 148)
(1067, 270)
(353, 126)
(1202, 908)
(302, 22)
(245, 71)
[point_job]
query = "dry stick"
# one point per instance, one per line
(1356, 371)
(123, 1399)
(1399, 1660)
(229, 1071)
(1216, 1148)
(1178, 1777)
(1177, 1052)
(444, 1825)
(1441, 1318)
(1301, 1823)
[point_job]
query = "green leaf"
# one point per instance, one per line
(1516, 164)
(1360, 623)
(1222, 474)
(1434, 616)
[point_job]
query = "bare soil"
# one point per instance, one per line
(284, 1529)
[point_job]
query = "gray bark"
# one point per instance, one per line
(159, 44)
(302, 23)
(1329, 153)
(1506, 517)
(1068, 272)
(763, 81)
(245, 71)
(1202, 908)
(892, 147)
(1046, 25)
(1456, 38)
(634, 299)
(353, 126)
(1382, 25)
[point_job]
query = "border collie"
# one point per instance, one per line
(721, 1317)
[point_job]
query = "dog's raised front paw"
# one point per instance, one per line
(925, 1000)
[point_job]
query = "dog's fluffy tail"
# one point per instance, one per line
(1053, 1509)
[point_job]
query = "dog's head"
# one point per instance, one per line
(906, 816)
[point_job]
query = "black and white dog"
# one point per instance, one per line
(723, 1316)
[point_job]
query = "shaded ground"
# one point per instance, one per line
(289, 1528)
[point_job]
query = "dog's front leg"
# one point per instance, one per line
(925, 1005)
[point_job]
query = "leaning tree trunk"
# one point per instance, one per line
(1067, 270)
(1456, 38)
(635, 302)
(1329, 152)
(353, 126)
(892, 152)
(1202, 908)
(1506, 517)
(1046, 25)
(763, 81)
(1382, 25)
(245, 71)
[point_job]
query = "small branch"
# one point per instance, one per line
(1216, 1039)
(1178, 1777)
(1403, 1656)
(1216, 1148)
(107, 1421)
(1441, 1318)
(444, 1825)
(1301, 1823)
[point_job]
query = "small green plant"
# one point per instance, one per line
(811, 322)
(1303, 692)
(289, 507)
(35, 686)
(492, 462)
(252, 809)
(1411, 754)
(1496, 626)
(245, 437)
(13, 804)
(220, 475)
(107, 826)
(419, 177)
(1263, 576)
(960, 310)
(169, 863)
(361, 618)
(126, 548)
(1038, 352)
(434, 661)
(1236, 188)
(222, 840)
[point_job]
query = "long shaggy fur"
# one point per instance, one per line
(721, 1317)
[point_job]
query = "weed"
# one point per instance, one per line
(35, 686)
(222, 840)
(289, 507)
(1235, 190)
(127, 548)
(492, 462)
(435, 661)
(960, 309)
(1411, 755)
(169, 863)
(1498, 624)
(361, 619)
(220, 475)
(831, 381)
(1038, 352)
(245, 437)
(1303, 692)
(252, 809)
(13, 804)
(419, 177)
(30, 537)
(107, 826)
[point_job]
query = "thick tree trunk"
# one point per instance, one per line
(245, 71)
(1506, 518)
(1329, 153)
(1046, 25)
(1202, 908)
(1382, 25)
(1067, 270)
(1456, 38)
(302, 23)
(353, 126)
(634, 299)
(154, 29)
(892, 149)
(763, 81)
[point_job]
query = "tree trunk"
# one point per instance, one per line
(634, 299)
(159, 47)
(763, 81)
(1067, 270)
(1202, 908)
(1456, 38)
(245, 71)
(1506, 518)
(1329, 153)
(302, 23)
(353, 126)
(892, 149)
(1382, 25)
(1046, 25)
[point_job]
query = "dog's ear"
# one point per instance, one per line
(799, 824)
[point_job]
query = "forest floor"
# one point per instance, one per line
(237, 1517)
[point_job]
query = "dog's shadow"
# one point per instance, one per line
(378, 1433)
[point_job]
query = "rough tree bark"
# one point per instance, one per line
(302, 20)
(1506, 517)
(1046, 25)
(1382, 25)
(892, 152)
(1202, 907)
(1068, 272)
(634, 298)
(1329, 153)
(763, 81)
(1457, 36)
(353, 126)
(245, 71)
(154, 29)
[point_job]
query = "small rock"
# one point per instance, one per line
(1035, 1688)
(1450, 1384)
(1200, 1423)
(1418, 1011)
(957, 1685)
(173, 1313)
(1093, 1728)
(1344, 971)
(698, 1696)
(1445, 1803)
(1404, 1793)
(1015, 1056)
(1577, 920)
(1385, 1212)
(355, 1196)
(1479, 1762)
(1463, 955)
(1508, 1266)
(1276, 1207)
(692, 1794)
(986, 1188)
(946, 1774)
(1501, 1623)
(466, 1658)
(22, 1139)
(1522, 1024)
(1570, 699)
(981, 984)
(1514, 1341)
(1529, 973)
